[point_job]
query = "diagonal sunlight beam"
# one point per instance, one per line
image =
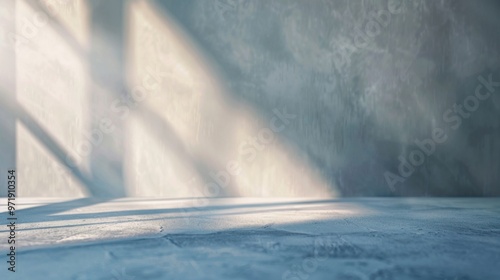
(50, 143)
(173, 79)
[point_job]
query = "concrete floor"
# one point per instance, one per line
(372, 238)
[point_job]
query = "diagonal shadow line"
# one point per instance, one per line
(59, 27)
(86, 225)
(52, 145)
(164, 131)
(203, 209)
(202, 214)
(53, 208)
(176, 11)
(34, 127)
(65, 34)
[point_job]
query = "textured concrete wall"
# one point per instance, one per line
(367, 79)
(252, 98)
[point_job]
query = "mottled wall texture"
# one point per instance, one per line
(193, 98)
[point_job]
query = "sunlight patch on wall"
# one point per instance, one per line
(71, 15)
(51, 87)
(188, 136)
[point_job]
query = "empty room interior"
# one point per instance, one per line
(250, 139)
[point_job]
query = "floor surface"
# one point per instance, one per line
(247, 238)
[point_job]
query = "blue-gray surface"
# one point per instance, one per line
(390, 97)
(355, 239)
(368, 79)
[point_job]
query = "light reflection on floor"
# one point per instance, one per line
(248, 238)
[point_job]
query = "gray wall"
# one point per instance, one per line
(180, 98)
(367, 79)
